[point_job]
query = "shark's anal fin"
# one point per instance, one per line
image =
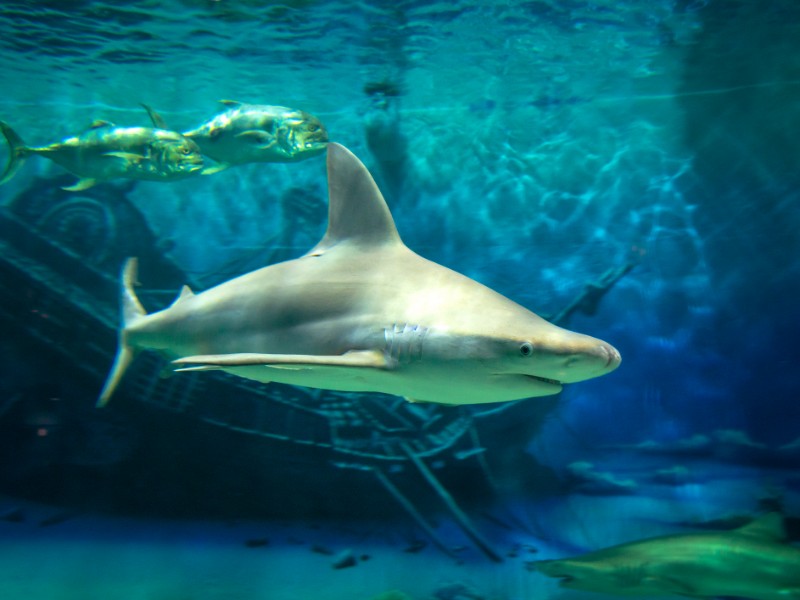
(369, 359)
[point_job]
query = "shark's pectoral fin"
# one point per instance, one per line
(292, 368)
(369, 359)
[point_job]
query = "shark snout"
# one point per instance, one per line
(581, 357)
(610, 355)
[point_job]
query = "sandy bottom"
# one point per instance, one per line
(85, 558)
(48, 555)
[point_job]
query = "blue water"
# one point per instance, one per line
(532, 146)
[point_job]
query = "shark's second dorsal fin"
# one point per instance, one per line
(186, 292)
(769, 526)
(357, 212)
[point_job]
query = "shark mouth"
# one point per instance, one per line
(544, 379)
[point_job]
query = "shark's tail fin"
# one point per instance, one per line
(17, 151)
(132, 311)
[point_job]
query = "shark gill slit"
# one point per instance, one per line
(404, 342)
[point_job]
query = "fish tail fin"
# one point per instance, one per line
(132, 311)
(17, 152)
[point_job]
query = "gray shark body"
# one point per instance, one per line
(362, 312)
(749, 562)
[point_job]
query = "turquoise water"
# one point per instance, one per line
(532, 146)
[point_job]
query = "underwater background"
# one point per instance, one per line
(549, 149)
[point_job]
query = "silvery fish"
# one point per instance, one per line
(105, 151)
(248, 133)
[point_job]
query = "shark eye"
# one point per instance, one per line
(526, 349)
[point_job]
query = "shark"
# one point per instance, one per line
(361, 312)
(753, 561)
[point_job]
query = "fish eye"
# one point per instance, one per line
(312, 128)
(185, 150)
(526, 349)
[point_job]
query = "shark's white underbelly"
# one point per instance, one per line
(414, 382)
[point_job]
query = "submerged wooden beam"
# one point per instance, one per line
(592, 293)
(412, 510)
(461, 517)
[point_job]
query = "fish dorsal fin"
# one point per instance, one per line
(157, 120)
(357, 212)
(769, 527)
(231, 103)
(98, 123)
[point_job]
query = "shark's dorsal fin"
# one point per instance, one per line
(357, 212)
(769, 527)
